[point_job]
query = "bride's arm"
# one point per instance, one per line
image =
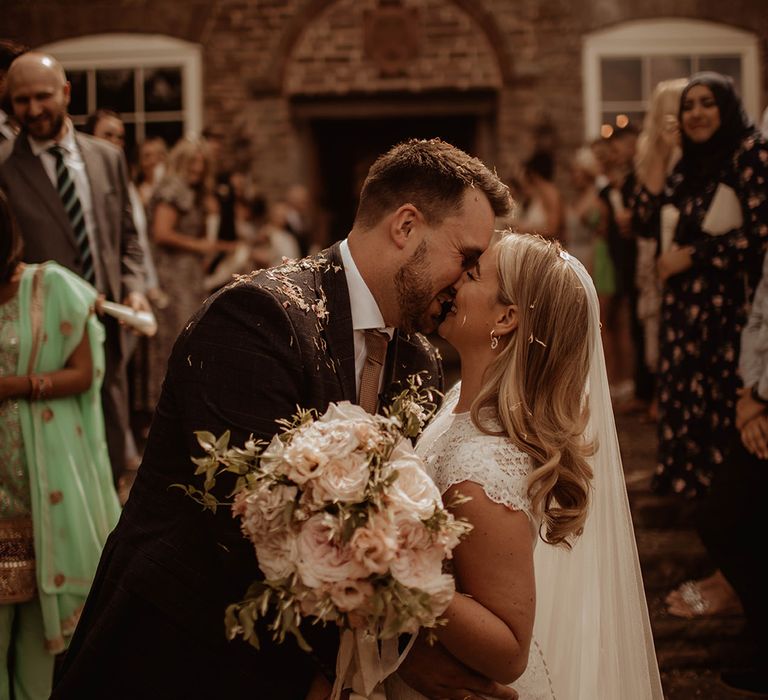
(490, 621)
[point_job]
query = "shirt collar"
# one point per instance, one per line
(365, 310)
(67, 141)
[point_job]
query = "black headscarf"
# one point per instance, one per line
(702, 162)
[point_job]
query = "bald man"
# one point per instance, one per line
(95, 239)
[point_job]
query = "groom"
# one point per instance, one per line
(294, 335)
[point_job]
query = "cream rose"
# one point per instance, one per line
(413, 491)
(277, 555)
(321, 559)
(306, 455)
(343, 480)
(261, 510)
(345, 411)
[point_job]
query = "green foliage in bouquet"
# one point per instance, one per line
(346, 525)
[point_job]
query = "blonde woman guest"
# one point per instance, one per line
(57, 501)
(179, 214)
(586, 216)
(657, 146)
(519, 436)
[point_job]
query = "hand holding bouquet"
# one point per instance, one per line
(347, 527)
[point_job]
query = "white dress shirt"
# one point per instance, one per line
(73, 159)
(365, 312)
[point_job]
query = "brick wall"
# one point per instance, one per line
(259, 55)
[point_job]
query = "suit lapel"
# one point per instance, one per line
(31, 169)
(98, 182)
(339, 333)
(406, 355)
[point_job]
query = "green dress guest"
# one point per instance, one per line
(57, 501)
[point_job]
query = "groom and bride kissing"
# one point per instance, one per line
(549, 600)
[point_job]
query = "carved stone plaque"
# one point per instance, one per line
(392, 37)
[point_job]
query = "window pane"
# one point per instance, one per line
(114, 89)
(79, 100)
(162, 89)
(171, 132)
(727, 65)
(668, 68)
(621, 79)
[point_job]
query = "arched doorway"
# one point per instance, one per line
(367, 74)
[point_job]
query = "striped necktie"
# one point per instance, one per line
(74, 209)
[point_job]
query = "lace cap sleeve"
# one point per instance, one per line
(494, 463)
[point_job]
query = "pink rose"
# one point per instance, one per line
(321, 558)
(418, 561)
(375, 544)
(351, 595)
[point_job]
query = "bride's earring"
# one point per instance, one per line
(494, 341)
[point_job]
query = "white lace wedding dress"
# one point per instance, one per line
(454, 451)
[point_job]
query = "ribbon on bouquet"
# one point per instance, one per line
(362, 666)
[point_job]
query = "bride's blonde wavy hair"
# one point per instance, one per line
(535, 385)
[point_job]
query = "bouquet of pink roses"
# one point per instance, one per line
(347, 527)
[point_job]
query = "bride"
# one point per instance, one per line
(529, 436)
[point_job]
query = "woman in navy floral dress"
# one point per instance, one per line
(708, 279)
(709, 268)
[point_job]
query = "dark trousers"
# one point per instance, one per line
(114, 395)
(734, 527)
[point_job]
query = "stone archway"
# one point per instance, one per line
(365, 74)
(375, 46)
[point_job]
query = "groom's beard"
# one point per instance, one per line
(414, 292)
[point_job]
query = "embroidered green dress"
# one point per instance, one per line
(62, 454)
(17, 573)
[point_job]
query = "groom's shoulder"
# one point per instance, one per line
(297, 286)
(421, 345)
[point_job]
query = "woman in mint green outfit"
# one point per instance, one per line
(57, 502)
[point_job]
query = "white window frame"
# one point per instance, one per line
(667, 37)
(139, 51)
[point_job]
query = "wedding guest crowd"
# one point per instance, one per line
(671, 222)
(57, 180)
(712, 216)
(673, 225)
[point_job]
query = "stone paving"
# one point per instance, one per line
(690, 652)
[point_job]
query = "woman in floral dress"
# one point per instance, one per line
(718, 198)
(180, 210)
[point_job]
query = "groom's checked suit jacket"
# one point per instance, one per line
(153, 626)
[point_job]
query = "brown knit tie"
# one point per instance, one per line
(376, 349)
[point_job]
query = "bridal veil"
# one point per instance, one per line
(591, 614)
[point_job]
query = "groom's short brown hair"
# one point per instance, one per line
(432, 175)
